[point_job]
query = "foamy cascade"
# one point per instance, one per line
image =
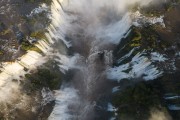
(15, 71)
(140, 19)
(139, 67)
(61, 111)
(43, 46)
(12, 73)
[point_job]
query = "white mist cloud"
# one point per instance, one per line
(94, 5)
(106, 20)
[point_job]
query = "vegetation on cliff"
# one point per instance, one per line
(44, 78)
(136, 101)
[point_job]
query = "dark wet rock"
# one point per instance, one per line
(20, 37)
(31, 40)
(2, 26)
(101, 55)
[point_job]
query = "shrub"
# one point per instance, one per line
(45, 78)
(137, 100)
(38, 35)
(27, 46)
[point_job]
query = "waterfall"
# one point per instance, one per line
(14, 71)
(43, 46)
(91, 29)
(84, 34)
(91, 35)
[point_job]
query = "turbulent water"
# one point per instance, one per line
(90, 30)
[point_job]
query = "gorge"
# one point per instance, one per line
(97, 59)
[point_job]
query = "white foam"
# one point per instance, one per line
(64, 98)
(115, 31)
(174, 107)
(115, 89)
(158, 57)
(140, 66)
(139, 19)
(172, 97)
(47, 96)
(40, 9)
(67, 62)
(113, 118)
(126, 56)
(111, 108)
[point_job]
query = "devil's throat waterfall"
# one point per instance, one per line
(105, 52)
(90, 30)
